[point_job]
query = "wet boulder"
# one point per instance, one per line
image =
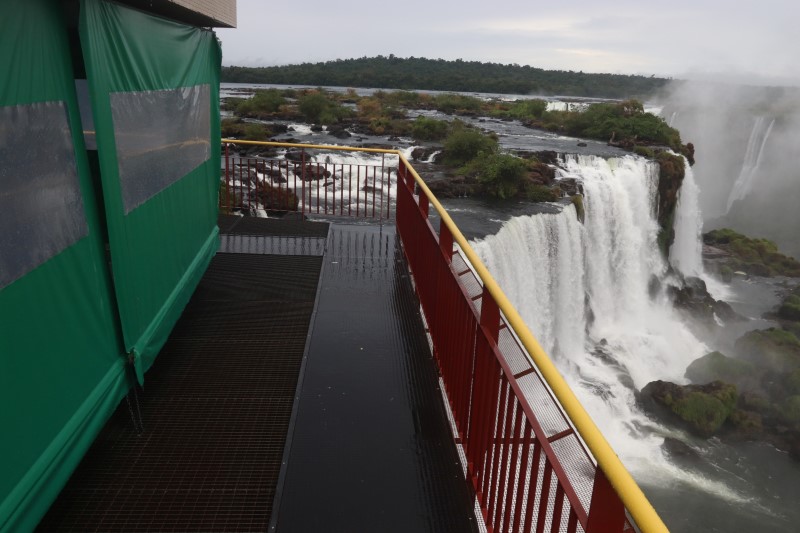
(716, 366)
(701, 409)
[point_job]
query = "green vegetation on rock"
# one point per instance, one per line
(759, 257)
(702, 409)
(790, 308)
(716, 366)
(671, 171)
(774, 349)
(319, 108)
(248, 131)
(464, 144)
(263, 104)
(429, 129)
(500, 175)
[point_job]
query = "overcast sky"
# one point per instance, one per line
(679, 38)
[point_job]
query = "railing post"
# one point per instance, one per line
(227, 178)
(424, 205)
(302, 182)
(490, 315)
(606, 512)
(446, 241)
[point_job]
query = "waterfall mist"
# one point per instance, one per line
(748, 165)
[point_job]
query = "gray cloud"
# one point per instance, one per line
(670, 39)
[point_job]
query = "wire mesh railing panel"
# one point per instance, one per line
(310, 182)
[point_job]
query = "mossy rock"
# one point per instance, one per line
(790, 409)
(790, 308)
(759, 257)
(793, 382)
(672, 170)
(577, 201)
(747, 423)
(775, 349)
(702, 409)
(717, 366)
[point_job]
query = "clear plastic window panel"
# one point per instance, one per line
(41, 208)
(161, 136)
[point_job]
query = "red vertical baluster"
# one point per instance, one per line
(521, 482)
(534, 482)
(374, 188)
(504, 464)
(545, 496)
(572, 525)
(558, 506)
(514, 442)
(358, 189)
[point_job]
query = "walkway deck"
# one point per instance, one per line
(370, 449)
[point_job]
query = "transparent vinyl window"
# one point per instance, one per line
(161, 136)
(41, 208)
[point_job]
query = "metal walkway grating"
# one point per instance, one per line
(216, 409)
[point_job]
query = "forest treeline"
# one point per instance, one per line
(441, 75)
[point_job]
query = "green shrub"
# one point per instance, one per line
(249, 131)
(464, 144)
(790, 308)
(535, 192)
(429, 129)
(262, 103)
(319, 108)
(500, 175)
(456, 103)
(644, 152)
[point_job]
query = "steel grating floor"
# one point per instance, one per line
(216, 409)
(371, 448)
(366, 438)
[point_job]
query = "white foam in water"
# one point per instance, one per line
(580, 286)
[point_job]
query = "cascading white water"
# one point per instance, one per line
(686, 253)
(584, 291)
(752, 160)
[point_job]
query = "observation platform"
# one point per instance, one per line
(296, 393)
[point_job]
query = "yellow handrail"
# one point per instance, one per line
(634, 500)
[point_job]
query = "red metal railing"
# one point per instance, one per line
(304, 180)
(524, 438)
(529, 474)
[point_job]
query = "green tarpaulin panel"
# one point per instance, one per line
(62, 362)
(154, 86)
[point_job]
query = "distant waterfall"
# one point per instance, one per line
(584, 291)
(686, 253)
(752, 160)
(672, 118)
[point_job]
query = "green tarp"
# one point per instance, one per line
(61, 356)
(154, 86)
(69, 318)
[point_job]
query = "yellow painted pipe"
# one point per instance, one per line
(634, 500)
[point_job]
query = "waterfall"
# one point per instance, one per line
(752, 160)
(583, 289)
(672, 118)
(686, 253)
